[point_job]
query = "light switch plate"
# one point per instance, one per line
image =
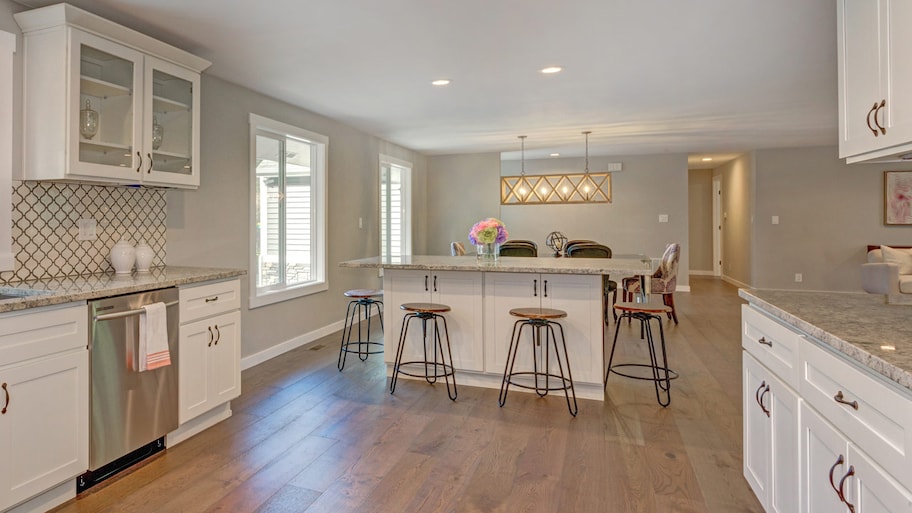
(86, 229)
(663, 218)
(775, 219)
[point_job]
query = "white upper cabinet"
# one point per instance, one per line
(875, 106)
(106, 104)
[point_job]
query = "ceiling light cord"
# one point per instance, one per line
(586, 133)
(522, 169)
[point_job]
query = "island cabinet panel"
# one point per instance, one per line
(578, 295)
(461, 291)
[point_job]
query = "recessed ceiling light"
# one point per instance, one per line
(551, 69)
(707, 159)
(441, 82)
(555, 154)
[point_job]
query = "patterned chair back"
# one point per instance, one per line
(665, 279)
(457, 249)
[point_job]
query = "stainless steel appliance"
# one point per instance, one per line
(131, 411)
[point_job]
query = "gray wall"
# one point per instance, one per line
(737, 211)
(647, 186)
(461, 189)
(828, 212)
(210, 226)
(700, 220)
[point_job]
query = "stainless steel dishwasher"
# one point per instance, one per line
(131, 411)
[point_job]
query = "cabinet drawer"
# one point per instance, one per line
(40, 332)
(770, 342)
(201, 301)
(881, 426)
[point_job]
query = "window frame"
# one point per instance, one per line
(262, 296)
(406, 201)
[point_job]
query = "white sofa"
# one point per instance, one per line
(889, 272)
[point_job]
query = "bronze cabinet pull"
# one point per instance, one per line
(839, 461)
(5, 405)
(218, 335)
(211, 299)
(765, 342)
(151, 163)
(435, 283)
(868, 120)
(535, 288)
(839, 398)
(546, 288)
(139, 161)
(851, 472)
(426, 283)
(764, 408)
(883, 130)
(757, 393)
(211, 336)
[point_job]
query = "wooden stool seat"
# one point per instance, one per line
(538, 313)
(426, 308)
(362, 293)
(649, 308)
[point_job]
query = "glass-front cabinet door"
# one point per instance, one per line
(171, 131)
(105, 109)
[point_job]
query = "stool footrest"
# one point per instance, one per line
(369, 343)
(671, 374)
(566, 384)
(447, 369)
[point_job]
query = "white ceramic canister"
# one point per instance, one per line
(122, 257)
(144, 256)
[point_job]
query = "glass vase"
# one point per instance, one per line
(488, 253)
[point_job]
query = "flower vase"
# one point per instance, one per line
(488, 253)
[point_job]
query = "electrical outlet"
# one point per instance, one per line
(86, 229)
(798, 278)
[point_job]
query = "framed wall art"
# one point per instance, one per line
(898, 197)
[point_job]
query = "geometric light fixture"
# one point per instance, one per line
(582, 187)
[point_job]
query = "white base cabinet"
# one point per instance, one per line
(210, 347)
(44, 405)
(578, 295)
(461, 291)
(842, 433)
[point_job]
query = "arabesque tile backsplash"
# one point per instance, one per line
(45, 229)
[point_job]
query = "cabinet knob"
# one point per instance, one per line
(6, 404)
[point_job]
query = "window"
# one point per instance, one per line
(395, 207)
(288, 211)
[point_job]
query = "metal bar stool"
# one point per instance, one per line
(359, 308)
(661, 374)
(441, 366)
(541, 321)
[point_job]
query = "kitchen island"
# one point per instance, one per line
(481, 296)
(827, 391)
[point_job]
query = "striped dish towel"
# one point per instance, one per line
(153, 337)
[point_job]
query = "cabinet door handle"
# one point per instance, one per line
(6, 404)
(535, 288)
(151, 163)
(868, 120)
(211, 299)
(435, 283)
(762, 407)
(138, 161)
(211, 336)
(765, 342)
(841, 492)
(839, 461)
(883, 130)
(546, 288)
(425, 283)
(839, 398)
(218, 335)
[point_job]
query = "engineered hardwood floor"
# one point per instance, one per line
(306, 438)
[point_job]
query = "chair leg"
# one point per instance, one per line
(669, 301)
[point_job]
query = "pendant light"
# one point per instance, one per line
(587, 186)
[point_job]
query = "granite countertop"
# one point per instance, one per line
(92, 286)
(622, 265)
(861, 326)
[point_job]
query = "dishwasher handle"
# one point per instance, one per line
(126, 313)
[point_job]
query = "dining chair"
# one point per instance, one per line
(523, 248)
(596, 250)
(663, 281)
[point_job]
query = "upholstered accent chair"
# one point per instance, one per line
(663, 281)
(457, 249)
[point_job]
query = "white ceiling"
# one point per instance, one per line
(645, 76)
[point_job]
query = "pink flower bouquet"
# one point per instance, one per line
(488, 231)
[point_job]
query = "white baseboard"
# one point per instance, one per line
(682, 288)
(294, 343)
(49, 499)
(735, 282)
(700, 273)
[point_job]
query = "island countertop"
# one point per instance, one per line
(54, 291)
(621, 265)
(859, 325)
